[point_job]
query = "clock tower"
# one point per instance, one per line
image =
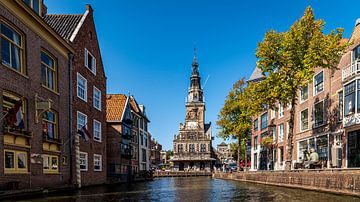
(192, 146)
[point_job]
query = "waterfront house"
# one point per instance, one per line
(34, 88)
(88, 95)
(326, 118)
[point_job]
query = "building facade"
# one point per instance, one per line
(325, 118)
(155, 153)
(192, 146)
(119, 127)
(88, 95)
(34, 102)
(224, 153)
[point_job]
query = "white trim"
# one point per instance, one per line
(317, 93)
(100, 130)
(281, 106)
(96, 89)
(86, 58)
(77, 29)
(307, 119)
(77, 86)
(301, 100)
(86, 161)
(313, 126)
(77, 119)
(126, 104)
(97, 155)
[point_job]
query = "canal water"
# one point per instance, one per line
(193, 189)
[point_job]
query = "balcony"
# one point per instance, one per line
(351, 120)
(352, 70)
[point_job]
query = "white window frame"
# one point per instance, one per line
(323, 114)
(314, 89)
(281, 110)
(92, 69)
(95, 161)
(272, 114)
(100, 134)
(281, 133)
(79, 76)
(301, 100)
(96, 90)
(86, 161)
(77, 119)
(301, 129)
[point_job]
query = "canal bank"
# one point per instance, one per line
(345, 182)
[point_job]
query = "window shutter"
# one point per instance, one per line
(94, 65)
(86, 57)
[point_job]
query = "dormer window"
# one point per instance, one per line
(34, 4)
(356, 53)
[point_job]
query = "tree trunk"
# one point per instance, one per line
(238, 157)
(290, 145)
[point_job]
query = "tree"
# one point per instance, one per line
(288, 60)
(235, 118)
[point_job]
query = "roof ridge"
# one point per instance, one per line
(63, 14)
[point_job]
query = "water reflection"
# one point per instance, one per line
(193, 189)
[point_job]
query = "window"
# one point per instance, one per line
(203, 148)
(81, 87)
(356, 54)
(143, 155)
(256, 124)
(15, 161)
(349, 105)
(97, 162)
(319, 113)
(274, 134)
(264, 121)
(272, 114)
(34, 4)
(318, 83)
(142, 138)
(302, 151)
(255, 161)
(97, 98)
(281, 110)
(10, 102)
(256, 139)
(281, 154)
(145, 140)
(191, 148)
(281, 133)
(83, 161)
(50, 164)
(304, 120)
(81, 120)
(11, 48)
(304, 93)
(48, 71)
(90, 61)
(49, 125)
(97, 131)
(180, 148)
(341, 107)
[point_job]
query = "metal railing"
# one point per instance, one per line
(352, 70)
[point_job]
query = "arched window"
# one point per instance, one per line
(180, 148)
(203, 148)
(191, 148)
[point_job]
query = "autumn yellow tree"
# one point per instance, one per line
(288, 60)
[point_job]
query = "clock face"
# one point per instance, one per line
(192, 125)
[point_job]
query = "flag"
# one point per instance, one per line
(84, 133)
(16, 117)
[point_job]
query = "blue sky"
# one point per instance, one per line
(147, 46)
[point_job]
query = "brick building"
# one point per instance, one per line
(119, 128)
(326, 118)
(34, 100)
(88, 98)
(155, 153)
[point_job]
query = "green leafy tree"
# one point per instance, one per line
(235, 118)
(288, 59)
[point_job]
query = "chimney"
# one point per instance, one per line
(142, 108)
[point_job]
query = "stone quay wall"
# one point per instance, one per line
(332, 181)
